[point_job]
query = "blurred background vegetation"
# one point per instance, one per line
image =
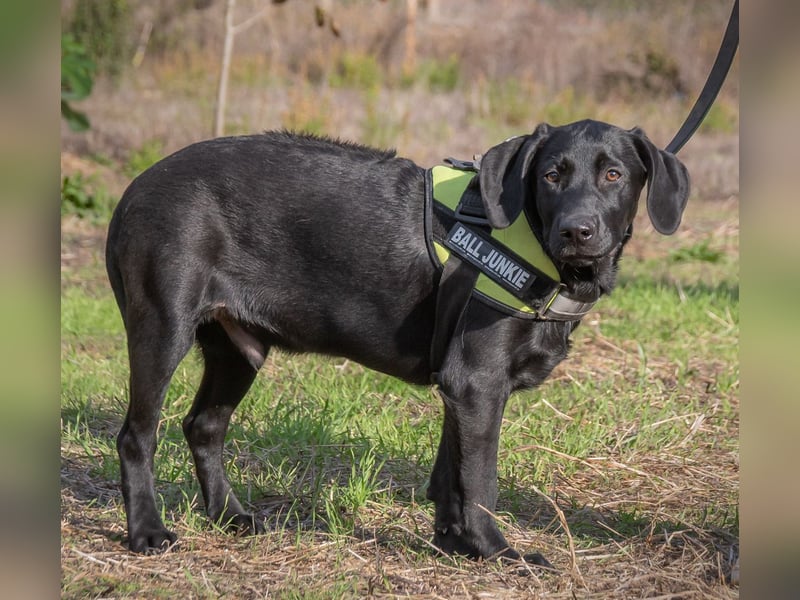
(429, 77)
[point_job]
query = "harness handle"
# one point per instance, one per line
(716, 78)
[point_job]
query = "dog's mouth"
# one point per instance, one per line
(578, 257)
(579, 281)
(580, 260)
(579, 269)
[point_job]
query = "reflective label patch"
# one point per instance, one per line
(498, 264)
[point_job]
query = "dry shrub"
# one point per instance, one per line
(486, 70)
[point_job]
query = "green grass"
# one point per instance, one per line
(329, 452)
(371, 437)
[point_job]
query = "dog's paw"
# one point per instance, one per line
(512, 558)
(537, 559)
(153, 541)
(450, 543)
(243, 524)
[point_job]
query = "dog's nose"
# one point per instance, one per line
(578, 229)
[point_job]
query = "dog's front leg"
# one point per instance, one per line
(464, 480)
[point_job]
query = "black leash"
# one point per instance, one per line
(716, 78)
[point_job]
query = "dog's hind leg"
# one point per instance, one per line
(156, 345)
(228, 374)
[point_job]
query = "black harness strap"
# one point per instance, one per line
(716, 78)
(455, 289)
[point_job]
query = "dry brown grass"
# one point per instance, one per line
(390, 557)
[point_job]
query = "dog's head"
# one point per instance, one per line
(580, 185)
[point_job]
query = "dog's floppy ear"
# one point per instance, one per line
(667, 184)
(502, 176)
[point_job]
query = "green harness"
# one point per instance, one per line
(504, 268)
(517, 240)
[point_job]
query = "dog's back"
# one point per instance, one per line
(317, 239)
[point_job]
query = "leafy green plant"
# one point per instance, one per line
(343, 502)
(83, 197)
(77, 80)
(144, 157)
(102, 27)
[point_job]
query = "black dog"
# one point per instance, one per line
(240, 244)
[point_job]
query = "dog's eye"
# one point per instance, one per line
(552, 176)
(613, 175)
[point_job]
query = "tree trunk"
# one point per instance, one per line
(227, 51)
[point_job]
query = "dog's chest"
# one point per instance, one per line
(505, 259)
(543, 346)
